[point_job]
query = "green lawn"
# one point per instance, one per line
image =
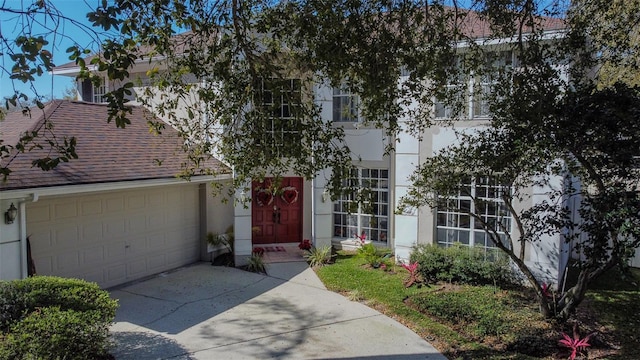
(473, 322)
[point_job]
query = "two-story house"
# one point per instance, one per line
(302, 209)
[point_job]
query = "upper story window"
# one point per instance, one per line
(471, 91)
(455, 91)
(281, 97)
(345, 105)
(92, 93)
(496, 64)
(279, 103)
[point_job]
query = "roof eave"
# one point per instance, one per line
(36, 192)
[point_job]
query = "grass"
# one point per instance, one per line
(616, 304)
(485, 322)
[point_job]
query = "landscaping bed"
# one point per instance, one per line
(491, 322)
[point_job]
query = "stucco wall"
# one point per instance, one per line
(11, 247)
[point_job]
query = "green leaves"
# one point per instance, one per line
(30, 59)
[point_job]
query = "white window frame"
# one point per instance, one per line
(98, 92)
(282, 108)
(476, 88)
(349, 217)
(454, 224)
(346, 106)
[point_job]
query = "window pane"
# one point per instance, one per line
(465, 221)
(465, 206)
(479, 238)
(442, 219)
(463, 237)
(491, 208)
(442, 235)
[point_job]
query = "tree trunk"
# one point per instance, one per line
(573, 297)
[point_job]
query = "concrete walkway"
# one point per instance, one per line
(209, 312)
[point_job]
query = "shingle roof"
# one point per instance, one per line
(473, 25)
(106, 153)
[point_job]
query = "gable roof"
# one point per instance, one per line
(105, 152)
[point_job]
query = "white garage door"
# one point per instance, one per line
(115, 237)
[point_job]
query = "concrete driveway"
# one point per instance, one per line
(207, 312)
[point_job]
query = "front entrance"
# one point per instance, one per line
(276, 215)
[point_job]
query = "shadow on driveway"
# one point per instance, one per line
(205, 312)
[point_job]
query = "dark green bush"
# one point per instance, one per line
(46, 317)
(53, 333)
(462, 264)
(469, 307)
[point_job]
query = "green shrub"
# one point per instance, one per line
(373, 255)
(54, 333)
(256, 264)
(462, 264)
(370, 254)
(47, 317)
(318, 256)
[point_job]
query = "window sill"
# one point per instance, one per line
(352, 244)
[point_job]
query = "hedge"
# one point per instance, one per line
(46, 317)
(462, 264)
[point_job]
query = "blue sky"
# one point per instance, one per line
(11, 26)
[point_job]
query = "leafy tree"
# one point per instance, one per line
(224, 62)
(574, 136)
(582, 149)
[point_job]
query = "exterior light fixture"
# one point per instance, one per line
(325, 195)
(243, 197)
(11, 214)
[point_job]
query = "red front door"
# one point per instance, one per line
(276, 211)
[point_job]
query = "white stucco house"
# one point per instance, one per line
(104, 228)
(117, 213)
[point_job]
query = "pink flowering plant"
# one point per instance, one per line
(361, 239)
(575, 343)
(546, 290)
(305, 244)
(413, 274)
(258, 251)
